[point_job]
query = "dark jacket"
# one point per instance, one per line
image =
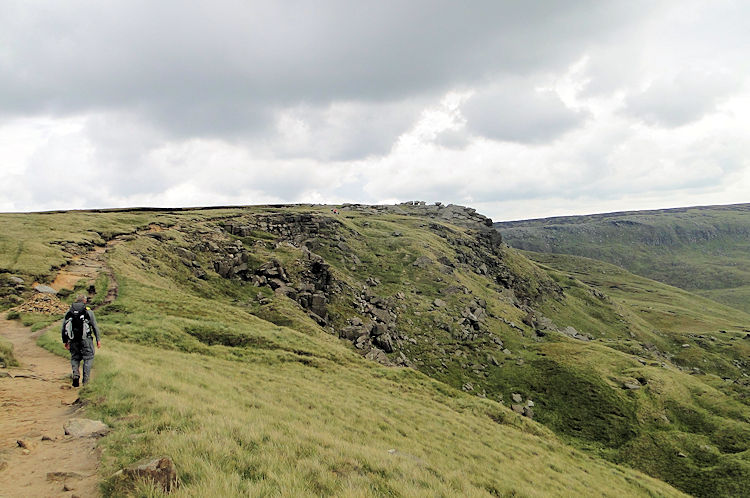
(89, 315)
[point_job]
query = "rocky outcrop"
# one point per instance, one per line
(231, 261)
(452, 213)
(295, 228)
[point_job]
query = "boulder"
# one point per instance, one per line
(160, 471)
(83, 427)
(378, 329)
(384, 342)
(351, 332)
(422, 262)
(517, 398)
(382, 315)
(318, 303)
(631, 384)
(45, 289)
(185, 253)
(439, 303)
(379, 356)
(16, 280)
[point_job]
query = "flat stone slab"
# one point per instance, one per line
(83, 427)
(62, 476)
(44, 289)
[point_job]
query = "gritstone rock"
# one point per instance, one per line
(45, 289)
(62, 476)
(160, 471)
(83, 427)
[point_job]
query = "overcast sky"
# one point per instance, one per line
(519, 109)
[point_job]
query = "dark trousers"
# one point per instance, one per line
(82, 352)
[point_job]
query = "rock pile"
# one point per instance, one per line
(46, 304)
(378, 330)
(312, 290)
(521, 407)
(231, 261)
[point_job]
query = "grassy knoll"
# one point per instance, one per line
(250, 394)
(701, 249)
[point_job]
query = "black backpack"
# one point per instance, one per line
(77, 325)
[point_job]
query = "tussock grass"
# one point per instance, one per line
(291, 429)
(7, 358)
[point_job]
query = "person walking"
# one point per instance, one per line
(77, 328)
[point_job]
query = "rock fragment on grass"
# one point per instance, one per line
(161, 471)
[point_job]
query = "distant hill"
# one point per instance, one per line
(705, 250)
(387, 351)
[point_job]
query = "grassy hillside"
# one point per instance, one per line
(705, 250)
(236, 347)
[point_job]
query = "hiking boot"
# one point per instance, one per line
(75, 382)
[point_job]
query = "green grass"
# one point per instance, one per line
(279, 427)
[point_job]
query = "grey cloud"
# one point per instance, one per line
(203, 69)
(516, 112)
(346, 130)
(684, 98)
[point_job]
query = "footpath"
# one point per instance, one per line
(36, 400)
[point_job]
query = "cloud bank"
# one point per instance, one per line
(520, 109)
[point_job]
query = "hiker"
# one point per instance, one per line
(78, 324)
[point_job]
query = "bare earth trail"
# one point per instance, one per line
(37, 398)
(35, 401)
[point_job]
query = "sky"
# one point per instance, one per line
(518, 109)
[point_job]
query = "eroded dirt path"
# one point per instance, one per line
(36, 399)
